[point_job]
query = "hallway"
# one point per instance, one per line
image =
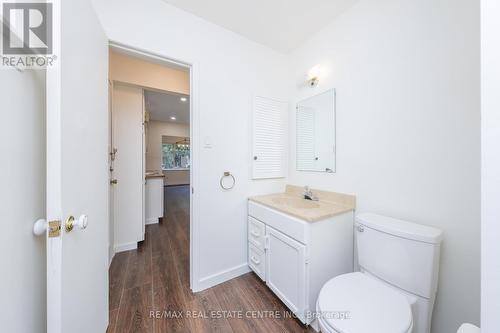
(155, 277)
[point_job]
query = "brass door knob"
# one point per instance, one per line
(113, 181)
(81, 223)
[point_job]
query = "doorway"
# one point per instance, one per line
(151, 184)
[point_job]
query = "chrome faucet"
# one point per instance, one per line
(308, 194)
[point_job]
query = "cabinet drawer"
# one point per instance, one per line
(257, 261)
(256, 233)
(291, 226)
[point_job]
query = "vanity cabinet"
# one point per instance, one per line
(296, 257)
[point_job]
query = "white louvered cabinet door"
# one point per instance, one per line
(269, 143)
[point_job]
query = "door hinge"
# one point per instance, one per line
(192, 190)
(54, 228)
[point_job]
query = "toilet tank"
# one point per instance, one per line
(401, 253)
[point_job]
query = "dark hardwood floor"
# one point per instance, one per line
(149, 287)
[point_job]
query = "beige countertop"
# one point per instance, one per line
(292, 202)
(154, 174)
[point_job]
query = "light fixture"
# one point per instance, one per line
(184, 99)
(173, 118)
(313, 76)
(312, 82)
(184, 143)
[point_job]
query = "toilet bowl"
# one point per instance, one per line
(358, 303)
(394, 291)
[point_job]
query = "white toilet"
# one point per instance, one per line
(395, 289)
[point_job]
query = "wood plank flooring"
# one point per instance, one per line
(149, 287)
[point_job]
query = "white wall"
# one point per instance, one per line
(229, 71)
(490, 173)
(408, 126)
(142, 73)
(22, 197)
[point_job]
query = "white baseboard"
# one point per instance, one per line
(125, 247)
(153, 220)
(223, 276)
(111, 255)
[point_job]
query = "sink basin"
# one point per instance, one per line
(296, 203)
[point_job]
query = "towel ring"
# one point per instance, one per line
(227, 174)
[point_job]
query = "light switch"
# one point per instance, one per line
(208, 142)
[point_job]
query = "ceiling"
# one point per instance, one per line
(279, 24)
(163, 105)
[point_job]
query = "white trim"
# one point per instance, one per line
(111, 255)
(125, 247)
(54, 180)
(152, 220)
(194, 132)
(148, 55)
(223, 276)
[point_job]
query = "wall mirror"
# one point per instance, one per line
(316, 133)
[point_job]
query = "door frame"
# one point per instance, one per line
(194, 139)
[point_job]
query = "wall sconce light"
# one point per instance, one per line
(312, 82)
(313, 76)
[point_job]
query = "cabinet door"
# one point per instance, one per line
(269, 138)
(286, 270)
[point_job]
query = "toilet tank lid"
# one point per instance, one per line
(400, 228)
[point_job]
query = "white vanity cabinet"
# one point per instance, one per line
(296, 257)
(154, 198)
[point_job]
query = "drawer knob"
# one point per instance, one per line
(254, 260)
(255, 233)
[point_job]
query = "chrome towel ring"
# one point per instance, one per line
(227, 174)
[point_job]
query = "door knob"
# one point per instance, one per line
(40, 227)
(113, 181)
(81, 223)
(53, 227)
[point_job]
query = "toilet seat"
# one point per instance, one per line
(371, 306)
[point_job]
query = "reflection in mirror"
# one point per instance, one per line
(316, 133)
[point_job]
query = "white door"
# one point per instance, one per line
(269, 138)
(77, 171)
(286, 270)
(111, 200)
(128, 166)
